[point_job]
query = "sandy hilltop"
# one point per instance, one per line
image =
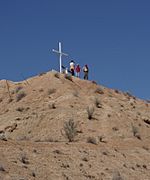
(57, 127)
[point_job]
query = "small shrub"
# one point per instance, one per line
(2, 168)
(99, 91)
(69, 77)
(33, 174)
(85, 159)
(18, 88)
(115, 128)
(2, 136)
(135, 132)
(57, 151)
(129, 95)
(70, 130)
(97, 102)
(116, 91)
(41, 90)
(42, 73)
(101, 139)
(51, 91)
(94, 82)
(91, 140)
(20, 95)
(52, 105)
(20, 109)
(1, 99)
(24, 159)
(90, 111)
(57, 75)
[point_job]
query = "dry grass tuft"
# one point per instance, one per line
(91, 140)
(90, 111)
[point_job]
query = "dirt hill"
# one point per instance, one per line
(109, 131)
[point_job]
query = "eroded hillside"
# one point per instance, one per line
(112, 139)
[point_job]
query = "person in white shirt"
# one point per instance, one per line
(72, 67)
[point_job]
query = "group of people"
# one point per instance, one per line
(75, 70)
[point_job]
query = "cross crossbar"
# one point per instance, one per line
(59, 51)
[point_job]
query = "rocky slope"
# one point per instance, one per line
(112, 143)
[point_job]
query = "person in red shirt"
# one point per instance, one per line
(78, 69)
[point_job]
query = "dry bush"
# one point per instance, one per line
(91, 140)
(57, 75)
(20, 95)
(51, 91)
(90, 111)
(1, 99)
(99, 90)
(69, 77)
(70, 130)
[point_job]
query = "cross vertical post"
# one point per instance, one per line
(60, 55)
(60, 60)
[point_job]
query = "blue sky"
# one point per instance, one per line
(112, 37)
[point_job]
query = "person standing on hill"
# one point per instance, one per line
(78, 69)
(72, 67)
(86, 71)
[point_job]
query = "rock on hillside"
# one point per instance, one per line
(111, 140)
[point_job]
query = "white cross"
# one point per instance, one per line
(60, 55)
